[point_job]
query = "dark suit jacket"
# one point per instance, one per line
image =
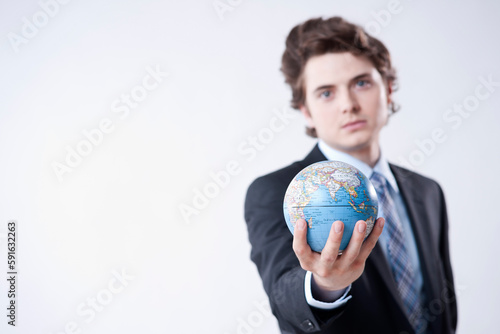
(375, 306)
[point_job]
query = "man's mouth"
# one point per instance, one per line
(355, 125)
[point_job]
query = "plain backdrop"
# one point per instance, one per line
(117, 211)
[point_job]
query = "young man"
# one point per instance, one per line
(342, 80)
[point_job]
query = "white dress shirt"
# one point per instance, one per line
(382, 167)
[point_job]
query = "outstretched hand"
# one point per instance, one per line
(330, 270)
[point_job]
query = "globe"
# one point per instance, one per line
(327, 191)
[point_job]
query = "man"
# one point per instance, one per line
(342, 80)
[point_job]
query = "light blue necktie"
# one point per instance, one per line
(398, 255)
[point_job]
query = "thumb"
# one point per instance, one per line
(300, 227)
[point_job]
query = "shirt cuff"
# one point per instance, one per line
(323, 305)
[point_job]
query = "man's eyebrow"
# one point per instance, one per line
(357, 77)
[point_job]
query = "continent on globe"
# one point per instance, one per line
(325, 192)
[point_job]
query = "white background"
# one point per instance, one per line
(119, 208)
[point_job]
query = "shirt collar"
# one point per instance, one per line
(382, 166)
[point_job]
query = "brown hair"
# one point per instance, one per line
(318, 36)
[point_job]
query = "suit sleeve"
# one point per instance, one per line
(279, 268)
(448, 295)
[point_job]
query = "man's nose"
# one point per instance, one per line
(348, 101)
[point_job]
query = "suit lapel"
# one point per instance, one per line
(408, 188)
(412, 198)
(314, 156)
(419, 222)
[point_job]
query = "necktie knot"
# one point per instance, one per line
(379, 182)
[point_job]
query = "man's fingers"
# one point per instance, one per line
(354, 246)
(301, 247)
(357, 251)
(331, 250)
(371, 241)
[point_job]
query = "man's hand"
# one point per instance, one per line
(330, 270)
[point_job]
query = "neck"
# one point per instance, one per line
(368, 154)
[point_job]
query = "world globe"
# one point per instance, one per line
(325, 192)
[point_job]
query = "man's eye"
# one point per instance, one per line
(326, 94)
(362, 83)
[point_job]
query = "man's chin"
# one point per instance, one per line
(352, 147)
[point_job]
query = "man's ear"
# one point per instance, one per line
(307, 115)
(389, 101)
(389, 92)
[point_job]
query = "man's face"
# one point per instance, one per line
(346, 101)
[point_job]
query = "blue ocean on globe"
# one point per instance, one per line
(328, 191)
